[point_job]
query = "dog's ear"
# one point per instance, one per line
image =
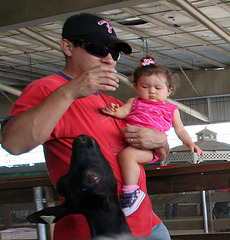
(101, 201)
(106, 204)
(63, 186)
(48, 215)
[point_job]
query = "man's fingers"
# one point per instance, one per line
(130, 129)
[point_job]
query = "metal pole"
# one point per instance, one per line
(38, 199)
(9, 89)
(205, 213)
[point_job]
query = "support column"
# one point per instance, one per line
(39, 203)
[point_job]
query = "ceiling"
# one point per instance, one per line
(181, 35)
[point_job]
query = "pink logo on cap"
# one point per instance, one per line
(107, 25)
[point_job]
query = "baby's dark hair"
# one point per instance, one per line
(148, 67)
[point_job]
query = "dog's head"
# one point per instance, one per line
(90, 182)
(89, 188)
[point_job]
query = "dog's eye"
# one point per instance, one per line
(92, 177)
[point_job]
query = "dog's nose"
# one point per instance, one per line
(83, 138)
(87, 141)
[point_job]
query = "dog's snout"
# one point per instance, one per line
(86, 140)
(83, 138)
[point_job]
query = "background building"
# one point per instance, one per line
(207, 141)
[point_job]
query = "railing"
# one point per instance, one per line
(203, 178)
(178, 179)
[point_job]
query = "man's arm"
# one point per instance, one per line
(32, 127)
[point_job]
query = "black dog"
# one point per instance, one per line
(89, 188)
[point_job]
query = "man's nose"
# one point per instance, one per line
(108, 59)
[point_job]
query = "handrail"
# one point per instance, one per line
(190, 177)
(186, 178)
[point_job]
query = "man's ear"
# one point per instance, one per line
(67, 47)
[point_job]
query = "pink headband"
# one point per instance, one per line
(148, 61)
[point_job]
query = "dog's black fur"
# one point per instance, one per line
(89, 188)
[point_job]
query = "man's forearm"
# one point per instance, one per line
(31, 128)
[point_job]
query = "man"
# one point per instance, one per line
(54, 110)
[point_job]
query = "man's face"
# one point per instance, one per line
(82, 61)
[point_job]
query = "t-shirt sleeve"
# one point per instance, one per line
(31, 96)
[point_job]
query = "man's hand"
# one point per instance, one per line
(99, 78)
(145, 138)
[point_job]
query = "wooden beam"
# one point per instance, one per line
(189, 177)
(222, 224)
(25, 182)
(184, 224)
(12, 196)
(182, 178)
(204, 236)
(24, 13)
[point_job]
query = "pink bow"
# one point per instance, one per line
(148, 61)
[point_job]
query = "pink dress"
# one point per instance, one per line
(149, 114)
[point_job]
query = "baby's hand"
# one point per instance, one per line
(196, 149)
(110, 109)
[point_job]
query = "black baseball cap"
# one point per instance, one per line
(93, 29)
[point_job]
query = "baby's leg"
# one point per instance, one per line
(129, 158)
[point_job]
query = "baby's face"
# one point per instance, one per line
(153, 87)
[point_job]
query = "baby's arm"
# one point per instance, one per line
(183, 134)
(118, 111)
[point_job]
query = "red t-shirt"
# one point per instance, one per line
(84, 117)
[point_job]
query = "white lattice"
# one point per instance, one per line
(179, 158)
(182, 157)
(217, 156)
